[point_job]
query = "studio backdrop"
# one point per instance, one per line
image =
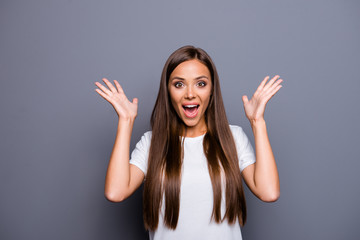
(57, 133)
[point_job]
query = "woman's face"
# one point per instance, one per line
(190, 89)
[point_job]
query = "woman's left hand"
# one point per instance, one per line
(255, 108)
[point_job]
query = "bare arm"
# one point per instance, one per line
(122, 179)
(262, 177)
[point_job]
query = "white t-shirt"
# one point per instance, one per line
(196, 196)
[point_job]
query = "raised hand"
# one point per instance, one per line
(255, 108)
(117, 98)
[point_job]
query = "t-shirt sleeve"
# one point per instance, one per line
(140, 154)
(244, 148)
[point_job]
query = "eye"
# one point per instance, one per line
(178, 84)
(202, 84)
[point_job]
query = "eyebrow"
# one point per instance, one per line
(179, 78)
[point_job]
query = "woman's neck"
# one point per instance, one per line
(195, 134)
(195, 131)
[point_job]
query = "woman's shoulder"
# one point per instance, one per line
(238, 132)
(235, 128)
(145, 139)
(147, 135)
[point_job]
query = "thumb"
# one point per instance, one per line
(135, 100)
(245, 99)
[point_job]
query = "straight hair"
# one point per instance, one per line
(166, 152)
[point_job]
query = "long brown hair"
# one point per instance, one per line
(166, 152)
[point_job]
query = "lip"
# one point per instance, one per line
(190, 103)
(195, 113)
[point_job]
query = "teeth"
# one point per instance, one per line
(189, 106)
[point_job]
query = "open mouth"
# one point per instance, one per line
(190, 110)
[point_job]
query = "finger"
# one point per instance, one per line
(270, 89)
(272, 93)
(104, 89)
(119, 88)
(135, 100)
(270, 83)
(245, 99)
(261, 86)
(106, 97)
(109, 84)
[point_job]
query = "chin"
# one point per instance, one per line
(190, 122)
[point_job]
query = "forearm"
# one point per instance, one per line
(266, 177)
(118, 172)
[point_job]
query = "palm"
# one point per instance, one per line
(255, 108)
(117, 98)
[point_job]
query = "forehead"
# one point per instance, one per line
(189, 69)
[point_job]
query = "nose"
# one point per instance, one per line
(190, 92)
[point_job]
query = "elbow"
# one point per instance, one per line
(115, 194)
(114, 197)
(270, 197)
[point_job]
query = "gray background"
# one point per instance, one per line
(57, 133)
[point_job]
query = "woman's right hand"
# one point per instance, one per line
(117, 98)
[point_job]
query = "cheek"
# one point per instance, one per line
(174, 104)
(206, 98)
(175, 97)
(174, 101)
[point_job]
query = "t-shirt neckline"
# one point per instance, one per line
(194, 138)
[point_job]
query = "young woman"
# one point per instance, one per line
(192, 161)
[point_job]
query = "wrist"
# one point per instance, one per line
(126, 121)
(257, 122)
